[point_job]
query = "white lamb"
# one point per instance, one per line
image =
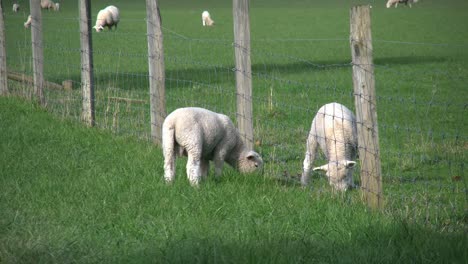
(107, 17)
(396, 2)
(57, 7)
(203, 135)
(47, 4)
(206, 19)
(28, 22)
(16, 7)
(334, 130)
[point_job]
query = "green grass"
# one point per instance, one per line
(300, 62)
(72, 194)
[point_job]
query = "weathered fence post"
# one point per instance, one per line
(87, 81)
(243, 70)
(37, 51)
(3, 66)
(365, 102)
(156, 70)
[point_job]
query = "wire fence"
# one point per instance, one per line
(422, 128)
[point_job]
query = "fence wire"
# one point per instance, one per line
(422, 128)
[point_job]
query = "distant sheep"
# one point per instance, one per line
(396, 2)
(57, 7)
(28, 22)
(203, 135)
(206, 19)
(48, 4)
(107, 17)
(16, 7)
(334, 131)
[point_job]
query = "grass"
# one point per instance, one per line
(111, 183)
(71, 194)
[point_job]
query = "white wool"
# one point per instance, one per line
(16, 7)
(206, 19)
(28, 22)
(48, 4)
(107, 17)
(390, 3)
(204, 136)
(334, 131)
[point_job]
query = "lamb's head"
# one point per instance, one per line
(339, 173)
(98, 28)
(210, 22)
(249, 162)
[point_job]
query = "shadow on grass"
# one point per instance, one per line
(397, 243)
(213, 75)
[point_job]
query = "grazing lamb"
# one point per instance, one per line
(206, 19)
(16, 7)
(107, 17)
(47, 4)
(28, 22)
(334, 130)
(203, 135)
(396, 2)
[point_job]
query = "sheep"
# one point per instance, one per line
(334, 130)
(206, 19)
(203, 135)
(396, 2)
(16, 7)
(28, 22)
(47, 4)
(57, 7)
(107, 17)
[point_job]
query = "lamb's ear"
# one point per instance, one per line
(252, 155)
(321, 168)
(350, 164)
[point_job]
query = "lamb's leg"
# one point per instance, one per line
(205, 168)
(309, 159)
(218, 166)
(169, 154)
(194, 169)
(203, 22)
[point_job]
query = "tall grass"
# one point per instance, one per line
(71, 194)
(300, 60)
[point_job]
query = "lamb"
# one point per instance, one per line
(28, 22)
(396, 2)
(203, 135)
(334, 130)
(206, 19)
(57, 7)
(47, 4)
(16, 7)
(107, 17)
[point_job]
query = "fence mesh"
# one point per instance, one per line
(422, 128)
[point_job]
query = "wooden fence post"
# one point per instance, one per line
(3, 66)
(87, 78)
(156, 68)
(243, 70)
(365, 102)
(37, 49)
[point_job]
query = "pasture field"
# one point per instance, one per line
(71, 194)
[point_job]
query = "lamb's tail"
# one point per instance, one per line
(168, 140)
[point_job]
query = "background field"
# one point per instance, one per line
(95, 202)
